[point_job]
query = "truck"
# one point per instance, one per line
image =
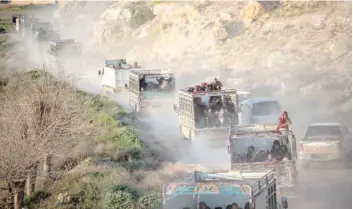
(252, 148)
(326, 143)
(115, 74)
(150, 88)
(221, 189)
(64, 53)
(43, 31)
(206, 114)
(259, 110)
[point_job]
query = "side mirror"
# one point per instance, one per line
(284, 202)
(99, 72)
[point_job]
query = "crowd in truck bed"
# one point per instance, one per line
(216, 85)
(277, 153)
(214, 112)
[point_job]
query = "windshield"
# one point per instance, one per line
(321, 131)
(266, 108)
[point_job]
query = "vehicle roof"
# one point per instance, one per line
(243, 92)
(255, 100)
(326, 124)
(205, 177)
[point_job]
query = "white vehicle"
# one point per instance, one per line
(202, 113)
(150, 88)
(219, 189)
(261, 138)
(326, 142)
(259, 110)
(244, 95)
(115, 74)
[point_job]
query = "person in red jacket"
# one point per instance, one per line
(284, 121)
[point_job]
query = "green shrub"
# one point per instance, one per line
(152, 201)
(120, 197)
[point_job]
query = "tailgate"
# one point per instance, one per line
(283, 172)
(319, 148)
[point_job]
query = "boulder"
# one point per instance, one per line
(254, 10)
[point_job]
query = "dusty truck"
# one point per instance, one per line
(150, 88)
(43, 31)
(115, 74)
(255, 148)
(326, 143)
(259, 110)
(64, 54)
(221, 189)
(206, 114)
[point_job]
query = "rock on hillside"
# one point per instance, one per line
(302, 46)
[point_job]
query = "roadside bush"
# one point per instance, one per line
(120, 197)
(151, 201)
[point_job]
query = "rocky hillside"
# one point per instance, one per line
(301, 47)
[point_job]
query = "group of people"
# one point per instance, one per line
(216, 85)
(214, 112)
(162, 84)
(277, 153)
(203, 205)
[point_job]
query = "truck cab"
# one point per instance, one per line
(326, 142)
(252, 148)
(206, 113)
(150, 88)
(259, 110)
(115, 74)
(65, 53)
(219, 189)
(22, 24)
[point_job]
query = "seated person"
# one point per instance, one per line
(270, 158)
(218, 208)
(235, 206)
(276, 150)
(250, 156)
(202, 205)
(284, 121)
(261, 156)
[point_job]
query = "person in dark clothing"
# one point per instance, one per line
(200, 114)
(229, 207)
(261, 156)
(218, 84)
(202, 205)
(142, 84)
(276, 150)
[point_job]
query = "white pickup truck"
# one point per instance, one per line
(326, 142)
(221, 189)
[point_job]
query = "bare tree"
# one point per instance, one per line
(37, 115)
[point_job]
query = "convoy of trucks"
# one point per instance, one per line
(258, 177)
